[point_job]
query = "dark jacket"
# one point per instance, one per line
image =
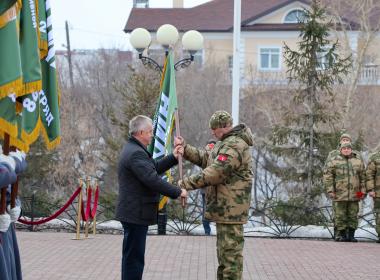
(140, 184)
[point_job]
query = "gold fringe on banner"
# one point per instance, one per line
(11, 87)
(50, 144)
(8, 15)
(30, 138)
(8, 128)
(19, 144)
(32, 87)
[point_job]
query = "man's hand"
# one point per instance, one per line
(178, 140)
(372, 194)
(183, 193)
(14, 213)
(178, 150)
(332, 195)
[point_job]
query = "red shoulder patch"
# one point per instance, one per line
(211, 146)
(222, 157)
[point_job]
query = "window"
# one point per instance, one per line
(269, 58)
(140, 3)
(295, 16)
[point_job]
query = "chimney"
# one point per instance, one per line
(178, 4)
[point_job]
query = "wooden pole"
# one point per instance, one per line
(3, 201)
(77, 237)
(180, 160)
(14, 190)
(88, 187)
(94, 220)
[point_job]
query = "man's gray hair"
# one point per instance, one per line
(138, 123)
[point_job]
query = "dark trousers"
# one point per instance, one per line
(132, 265)
(205, 222)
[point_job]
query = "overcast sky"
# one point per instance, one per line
(97, 23)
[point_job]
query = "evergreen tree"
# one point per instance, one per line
(308, 133)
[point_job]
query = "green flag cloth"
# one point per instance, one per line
(8, 11)
(10, 61)
(8, 119)
(163, 120)
(43, 39)
(30, 122)
(17, 141)
(49, 96)
(30, 55)
(164, 116)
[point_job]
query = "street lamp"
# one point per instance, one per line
(167, 36)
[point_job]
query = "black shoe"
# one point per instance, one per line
(351, 235)
(341, 236)
(378, 240)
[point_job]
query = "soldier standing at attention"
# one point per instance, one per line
(344, 138)
(344, 180)
(373, 186)
(227, 174)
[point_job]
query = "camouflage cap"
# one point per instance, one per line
(346, 145)
(220, 119)
(345, 135)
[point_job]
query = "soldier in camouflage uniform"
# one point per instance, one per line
(344, 180)
(227, 171)
(344, 138)
(373, 186)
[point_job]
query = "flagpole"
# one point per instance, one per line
(180, 161)
(3, 201)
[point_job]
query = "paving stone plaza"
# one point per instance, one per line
(51, 255)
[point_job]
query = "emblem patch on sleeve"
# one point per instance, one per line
(222, 157)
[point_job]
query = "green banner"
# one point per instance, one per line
(30, 55)
(8, 11)
(8, 119)
(49, 96)
(164, 116)
(43, 39)
(10, 61)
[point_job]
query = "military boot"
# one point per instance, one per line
(341, 236)
(351, 235)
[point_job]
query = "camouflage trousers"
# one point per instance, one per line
(376, 209)
(229, 244)
(346, 214)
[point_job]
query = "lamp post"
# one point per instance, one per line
(167, 36)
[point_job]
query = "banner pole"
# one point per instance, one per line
(180, 160)
(79, 210)
(3, 201)
(94, 220)
(88, 187)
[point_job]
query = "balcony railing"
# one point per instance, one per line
(370, 75)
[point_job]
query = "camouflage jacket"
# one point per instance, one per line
(227, 170)
(345, 177)
(373, 173)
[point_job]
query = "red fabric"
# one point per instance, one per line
(95, 206)
(55, 215)
(360, 195)
(211, 146)
(86, 214)
(222, 157)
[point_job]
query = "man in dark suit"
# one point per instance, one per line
(140, 186)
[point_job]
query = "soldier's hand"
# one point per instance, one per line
(372, 194)
(332, 195)
(178, 150)
(178, 140)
